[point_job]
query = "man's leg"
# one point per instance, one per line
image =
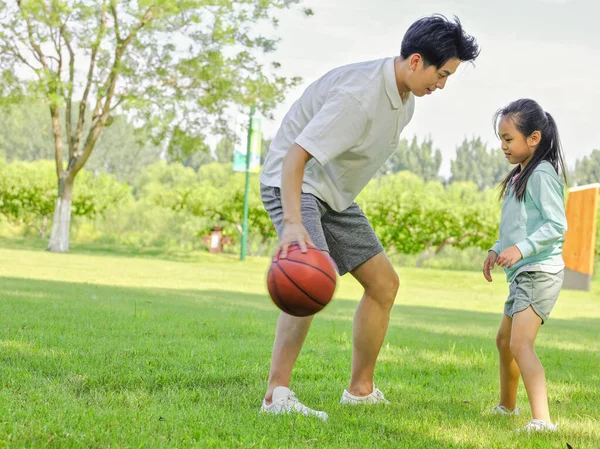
(356, 249)
(289, 338)
(371, 319)
(291, 331)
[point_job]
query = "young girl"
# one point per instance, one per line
(529, 249)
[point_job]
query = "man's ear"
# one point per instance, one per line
(414, 61)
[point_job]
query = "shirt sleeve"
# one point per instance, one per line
(542, 190)
(340, 124)
(496, 247)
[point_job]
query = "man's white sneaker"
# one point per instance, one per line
(285, 401)
(376, 397)
(501, 410)
(537, 425)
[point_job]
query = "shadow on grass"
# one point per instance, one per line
(110, 250)
(212, 316)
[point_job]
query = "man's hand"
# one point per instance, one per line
(293, 233)
(291, 192)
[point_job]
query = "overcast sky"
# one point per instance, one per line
(548, 50)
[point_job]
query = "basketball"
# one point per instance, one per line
(302, 284)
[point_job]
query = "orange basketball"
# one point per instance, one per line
(302, 283)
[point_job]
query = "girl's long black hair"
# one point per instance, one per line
(528, 116)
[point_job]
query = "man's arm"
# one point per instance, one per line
(291, 189)
(339, 125)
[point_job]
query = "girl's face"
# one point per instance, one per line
(518, 149)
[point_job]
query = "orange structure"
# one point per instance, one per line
(580, 240)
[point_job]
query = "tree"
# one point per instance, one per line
(224, 150)
(413, 217)
(25, 132)
(160, 177)
(26, 135)
(475, 163)
(216, 196)
(172, 66)
(189, 150)
(587, 170)
(419, 159)
(27, 193)
(122, 151)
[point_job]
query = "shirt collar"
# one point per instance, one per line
(391, 88)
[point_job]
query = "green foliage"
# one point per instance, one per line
(410, 216)
(28, 192)
(178, 65)
(224, 150)
(26, 133)
(123, 151)
(170, 205)
(474, 162)
(587, 169)
(218, 197)
(175, 68)
(417, 158)
(95, 194)
(160, 177)
(141, 224)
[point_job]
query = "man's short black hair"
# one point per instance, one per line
(438, 40)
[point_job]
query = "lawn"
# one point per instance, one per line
(100, 349)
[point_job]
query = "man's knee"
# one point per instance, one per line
(384, 288)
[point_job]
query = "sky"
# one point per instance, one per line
(548, 50)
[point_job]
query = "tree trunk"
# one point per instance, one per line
(425, 255)
(429, 254)
(261, 248)
(61, 225)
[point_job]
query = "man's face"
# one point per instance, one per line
(426, 80)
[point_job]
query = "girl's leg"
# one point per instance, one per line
(509, 370)
(525, 327)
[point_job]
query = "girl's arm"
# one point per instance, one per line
(545, 192)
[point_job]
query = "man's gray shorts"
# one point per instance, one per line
(347, 235)
(537, 289)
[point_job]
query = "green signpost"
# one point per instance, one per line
(248, 161)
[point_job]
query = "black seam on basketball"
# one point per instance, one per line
(298, 287)
(287, 308)
(309, 265)
(280, 302)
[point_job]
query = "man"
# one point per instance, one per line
(330, 144)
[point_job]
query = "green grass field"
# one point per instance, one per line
(101, 349)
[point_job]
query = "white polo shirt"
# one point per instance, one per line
(350, 121)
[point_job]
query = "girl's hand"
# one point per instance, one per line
(488, 265)
(509, 257)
